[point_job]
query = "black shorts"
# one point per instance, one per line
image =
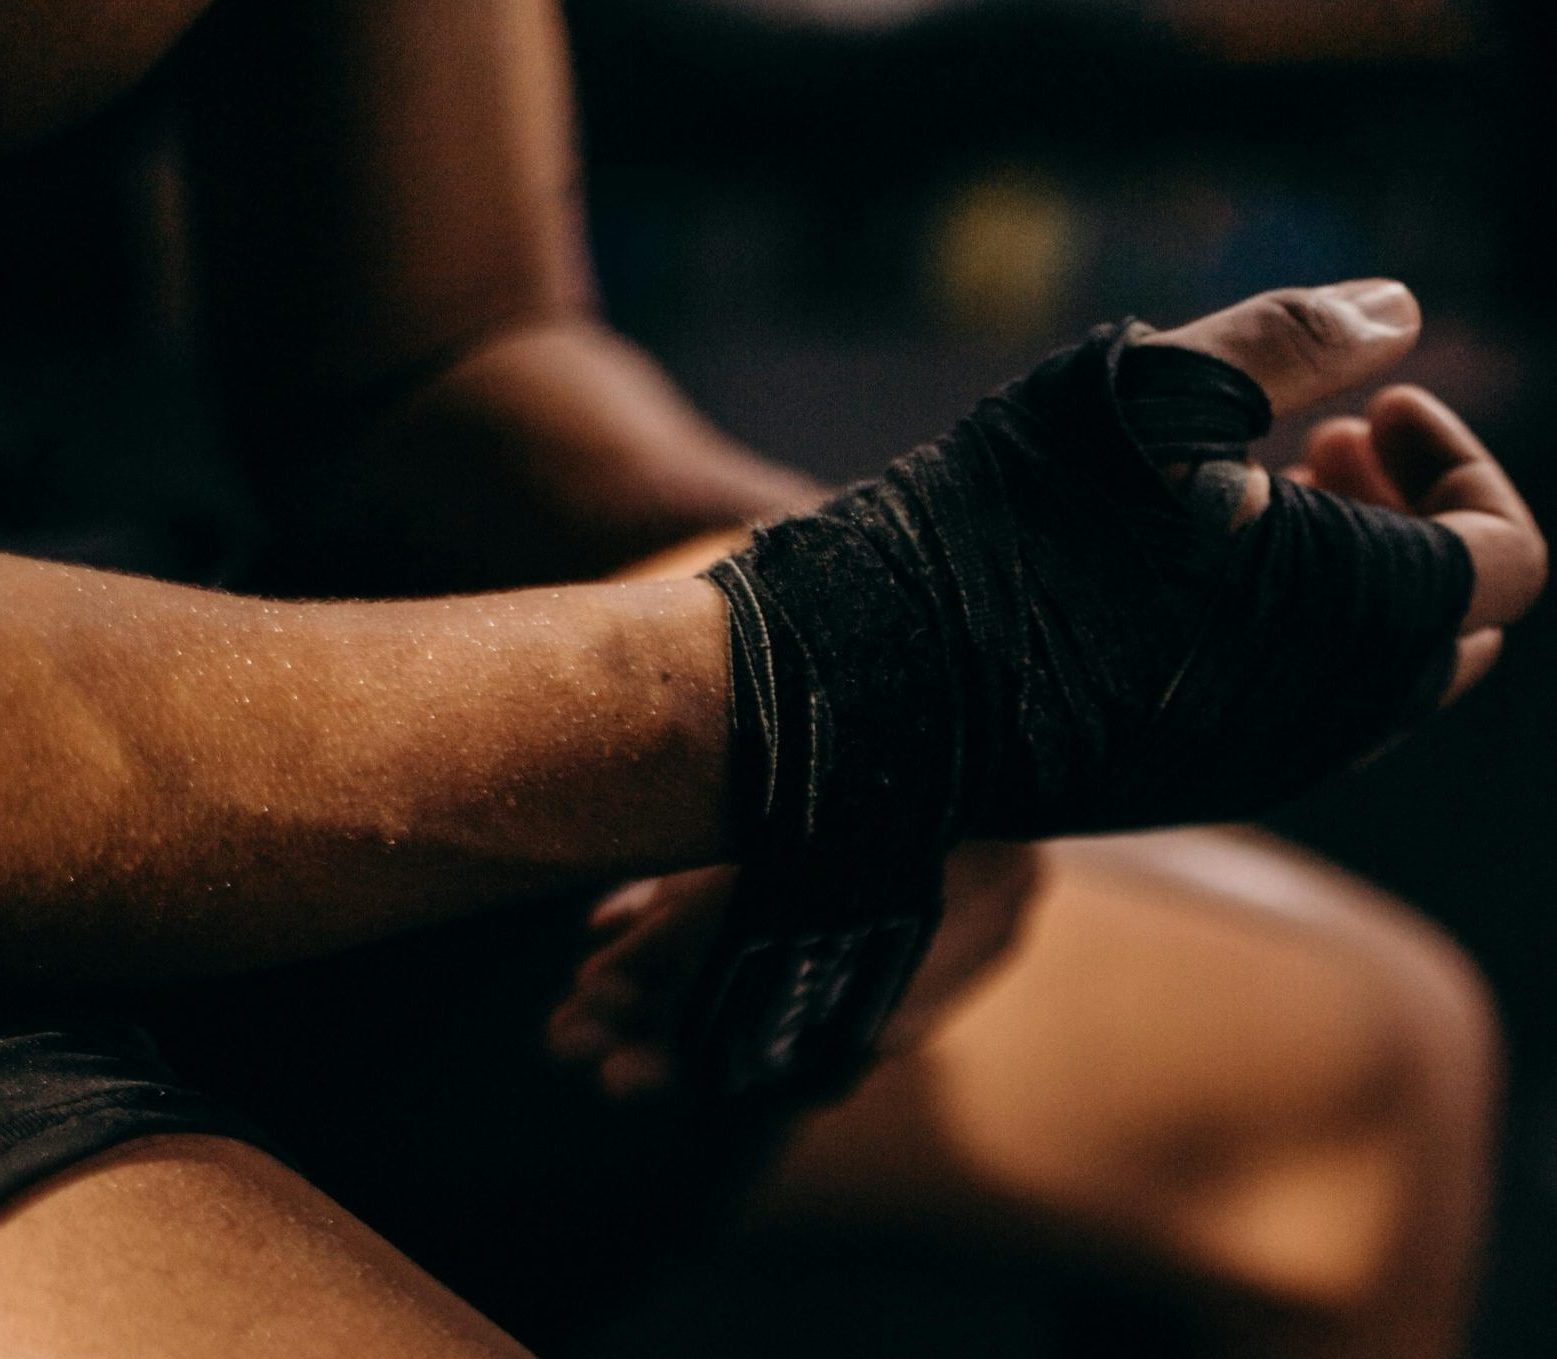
(74, 1082)
(408, 1080)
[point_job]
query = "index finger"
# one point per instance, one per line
(1446, 473)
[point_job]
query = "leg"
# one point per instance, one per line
(192, 1246)
(1215, 1059)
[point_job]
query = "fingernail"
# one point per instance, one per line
(634, 896)
(1389, 306)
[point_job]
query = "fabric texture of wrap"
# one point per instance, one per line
(1027, 629)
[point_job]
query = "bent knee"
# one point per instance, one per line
(1224, 1055)
(1323, 1213)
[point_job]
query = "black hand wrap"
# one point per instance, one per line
(1025, 630)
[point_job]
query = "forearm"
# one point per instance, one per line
(62, 60)
(550, 452)
(395, 275)
(199, 781)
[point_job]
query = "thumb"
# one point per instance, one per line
(1304, 344)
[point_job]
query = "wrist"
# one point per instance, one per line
(551, 735)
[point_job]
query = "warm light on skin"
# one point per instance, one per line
(1208, 1058)
(201, 781)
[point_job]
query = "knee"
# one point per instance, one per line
(1331, 1206)
(1444, 1035)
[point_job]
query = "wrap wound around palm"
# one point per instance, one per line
(1026, 629)
(1410, 453)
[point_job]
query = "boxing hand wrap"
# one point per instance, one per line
(1027, 629)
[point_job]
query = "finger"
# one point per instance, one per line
(1304, 344)
(1443, 470)
(635, 1070)
(574, 1037)
(1340, 458)
(1474, 657)
(618, 909)
(606, 996)
(648, 961)
(1435, 460)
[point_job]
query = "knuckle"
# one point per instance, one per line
(1509, 562)
(1303, 322)
(1523, 552)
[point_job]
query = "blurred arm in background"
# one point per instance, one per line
(387, 203)
(62, 60)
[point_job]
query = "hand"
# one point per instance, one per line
(628, 1003)
(1409, 451)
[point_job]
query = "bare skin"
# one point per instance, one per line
(531, 444)
(183, 1246)
(1204, 1060)
(474, 342)
(64, 59)
(203, 782)
(408, 339)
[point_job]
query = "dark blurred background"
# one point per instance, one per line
(838, 222)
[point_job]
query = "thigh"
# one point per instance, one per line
(177, 1246)
(409, 1080)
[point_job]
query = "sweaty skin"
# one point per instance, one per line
(200, 781)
